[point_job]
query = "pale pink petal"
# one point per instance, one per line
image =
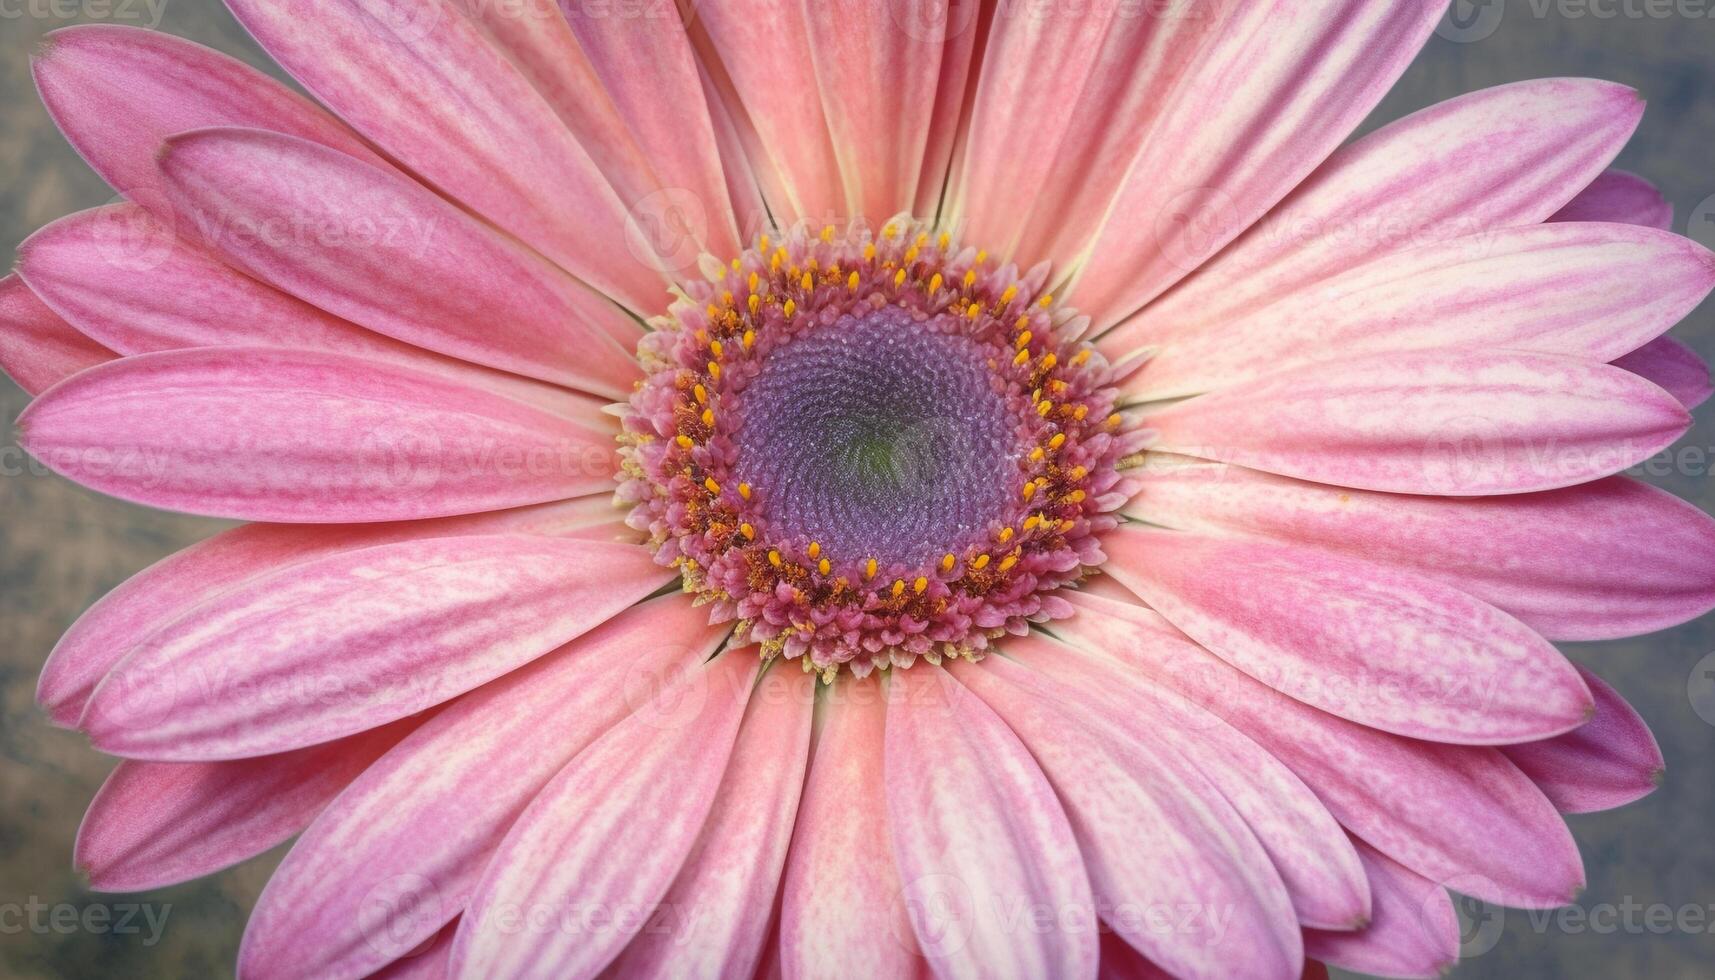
(382, 252)
(1382, 647)
(1060, 107)
(120, 276)
(1413, 930)
(961, 32)
(37, 348)
(164, 591)
(746, 171)
(1309, 850)
(425, 84)
(979, 836)
(1276, 91)
(1588, 290)
(117, 92)
(1610, 761)
(1450, 422)
(714, 921)
(268, 434)
(877, 65)
(607, 835)
(843, 907)
(1616, 195)
(1445, 811)
(1498, 158)
(1597, 561)
(1154, 834)
(154, 824)
(1672, 365)
(669, 118)
(398, 855)
(349, 641)
(766, 71)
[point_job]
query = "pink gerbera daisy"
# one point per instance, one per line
(856, 489)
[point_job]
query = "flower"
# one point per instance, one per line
(1170, 508)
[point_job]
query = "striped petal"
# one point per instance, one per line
(1447, 812)
(353, 640)
(1247, 123)
(1406, 185)
(37, 348)
(165, 591)
(399, 854)
(117, 92)
(1588, 290)
(1608, 762)
(608, 833)
(275, 435)
(1597, 561)
(714, 921)
(1381, 647)
(120, 276)
(424, 84)
(155, 824)
(953, 765)
(1413, 931)
(1451, 422)
(386, 254)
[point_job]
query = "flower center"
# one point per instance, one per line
(873, 449)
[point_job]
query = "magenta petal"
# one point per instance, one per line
(1608, 762)
(159, 823)
(419, 826)
(276, 435)
(383, 252)
(163, 592)
(37, 348)
(350, 641)
(1622, 197)
(1674, 366)
(1413, 930)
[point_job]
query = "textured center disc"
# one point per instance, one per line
(880, 435)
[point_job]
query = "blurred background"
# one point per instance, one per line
(62, 547)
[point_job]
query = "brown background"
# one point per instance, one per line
(61, 547)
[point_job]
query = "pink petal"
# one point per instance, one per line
(1304, 842)
(121, 277)
(1410, 183)
(843, 907)
(1275, 91)
(37, 348)
(1154, 834)
(979, 835)
(276, 435)
(1672, 365)
(1588, 290)
(386, 254)
(117, 92)
(1450, 422)
(155, 824)
(417, 828)
(1383, 648)
(1600, 560)
(714, 921)
(350, 641)
(427, 87)
(1608, 762)
(1413, 931)
(670, 119)
(163, 592)
(767, 72)
(960, 30)
(607, 835)
(1121, 962)
(1616, 195)
(428, 961)
(1447, 812)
